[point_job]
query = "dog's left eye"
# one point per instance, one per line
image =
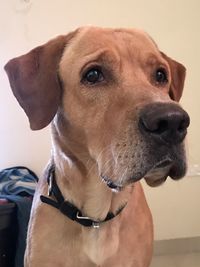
(93, 76)
(161, 76)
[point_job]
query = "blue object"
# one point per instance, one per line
(17, 185)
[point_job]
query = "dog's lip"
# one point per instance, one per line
(152, 178)
(164, 165)
(111, 184)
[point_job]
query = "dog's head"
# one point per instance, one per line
(114, 95)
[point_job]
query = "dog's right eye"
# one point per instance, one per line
(161, 76)
(93, 76)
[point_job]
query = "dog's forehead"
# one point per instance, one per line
(91, 39)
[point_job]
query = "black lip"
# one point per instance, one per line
(112, 185)
(163, 163)
(178, 171)
(173, 165)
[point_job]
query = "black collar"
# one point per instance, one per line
(67, 208)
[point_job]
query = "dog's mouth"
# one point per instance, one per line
(154, 175)
(111, 184)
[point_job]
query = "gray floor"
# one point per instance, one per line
(177, 260)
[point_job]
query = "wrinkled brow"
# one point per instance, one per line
(104, 56)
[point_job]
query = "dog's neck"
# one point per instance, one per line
(79, 181)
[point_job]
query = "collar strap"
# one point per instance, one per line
(67, 208)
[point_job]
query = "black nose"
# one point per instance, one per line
(164, 123)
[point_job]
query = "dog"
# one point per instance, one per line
(112, 100)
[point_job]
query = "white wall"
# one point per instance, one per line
(174, 24)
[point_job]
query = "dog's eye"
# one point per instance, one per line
(161, 76)
(93, 76)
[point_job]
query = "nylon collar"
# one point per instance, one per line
(67, 208)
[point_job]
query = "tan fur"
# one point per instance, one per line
(94, 130)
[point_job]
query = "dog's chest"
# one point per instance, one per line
(100, 244)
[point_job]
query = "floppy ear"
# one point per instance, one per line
(35, 83)
(178, 72)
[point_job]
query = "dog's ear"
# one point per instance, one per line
(178, 72)
(35, 83)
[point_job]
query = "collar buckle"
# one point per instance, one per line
(80, 217)
(94, 224)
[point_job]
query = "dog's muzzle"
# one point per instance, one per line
(159, 151)
(164, 127)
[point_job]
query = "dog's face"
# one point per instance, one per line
(117, 102)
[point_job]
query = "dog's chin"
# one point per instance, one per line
(158, 174)
(154, 181)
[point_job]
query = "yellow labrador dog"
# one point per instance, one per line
(111, 98)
